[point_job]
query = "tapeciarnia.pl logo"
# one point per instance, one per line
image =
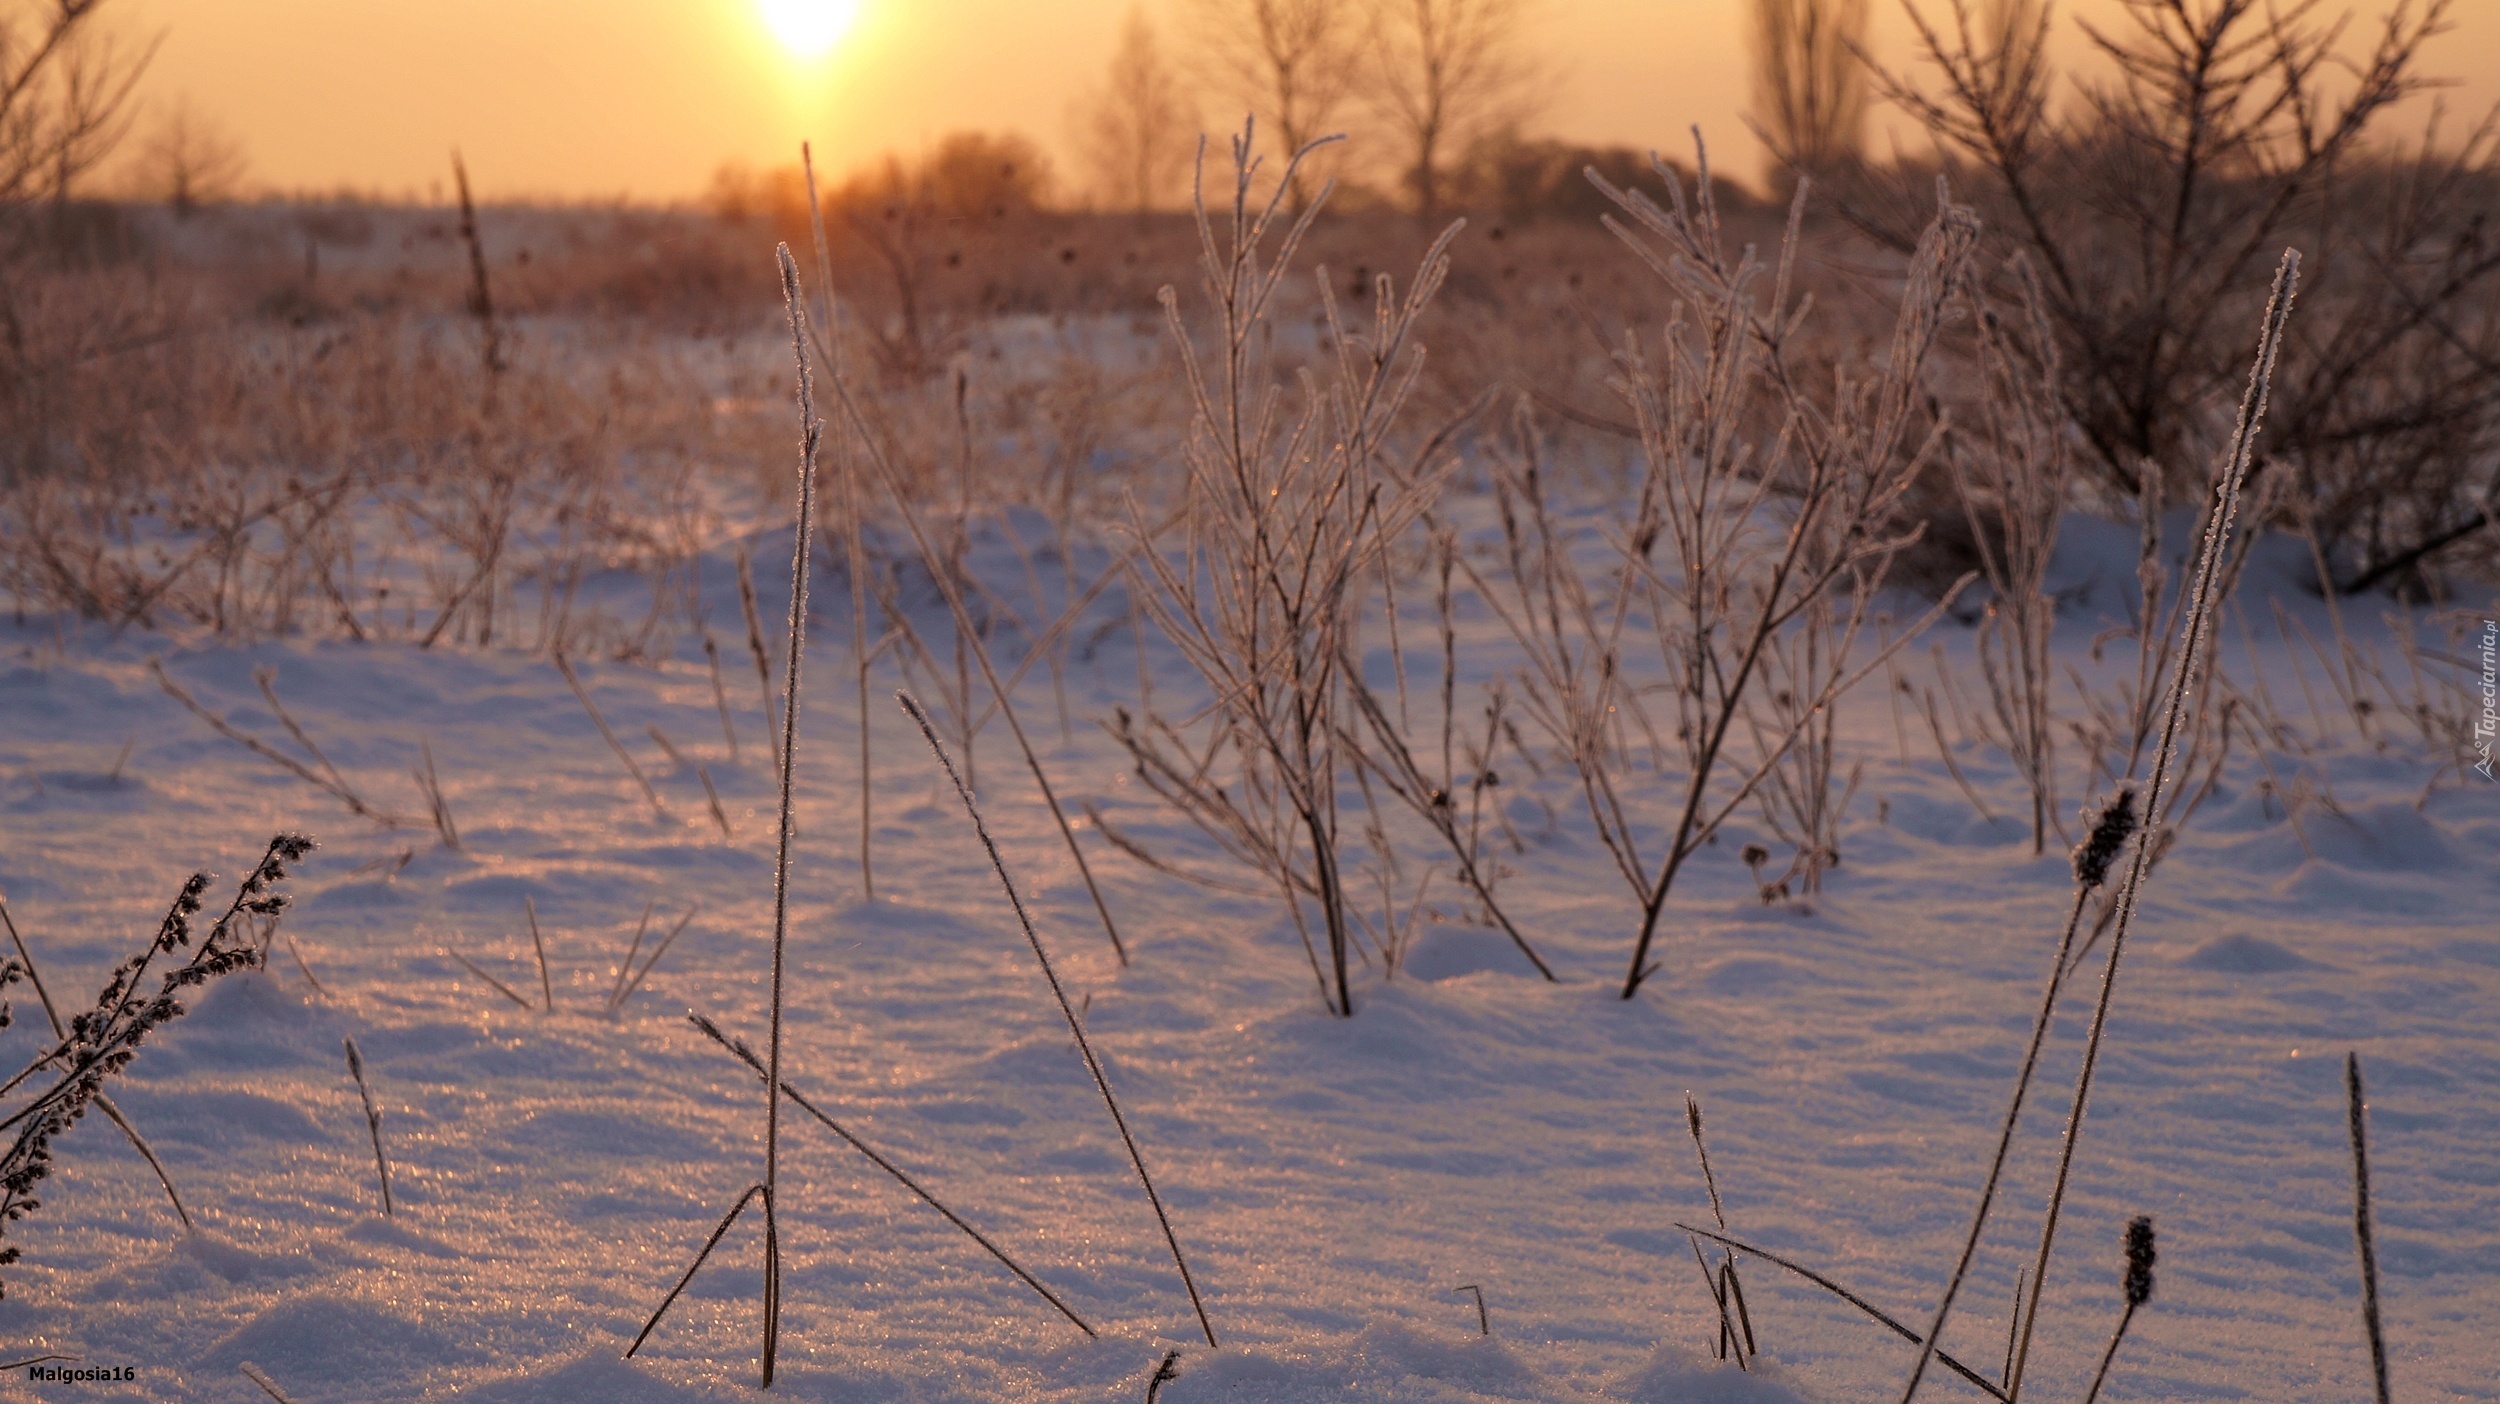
(2489, 722)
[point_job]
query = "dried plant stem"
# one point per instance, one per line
(755, 649)
(266, 678)
(746, 1055)
(546, 987)
(481, 297)
(720, 695)
(711, 796)
(373, 1125)
(2363, 1237)
(966, 634)
(1728, 1286)
(1852, 1299)
(1164, 1374)
(573, 680)
(803, 552)
(1076, 1026)
(2198, 623)
(2110, 1353)
(854, 503)
(268, 1386)
(634, 981)
(625, 967)
(437, 807)
(103, 1103)
(2005, 1141)
(337, 789)
(300, 964)
(691, 1268)
(475, 969)
(1716, 1286)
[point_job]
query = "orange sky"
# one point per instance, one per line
(646, 98)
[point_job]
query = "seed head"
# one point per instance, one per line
(2112, 824)
(2139, 1260)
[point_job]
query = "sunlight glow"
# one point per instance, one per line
(808, 28)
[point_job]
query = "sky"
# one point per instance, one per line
(646, 99)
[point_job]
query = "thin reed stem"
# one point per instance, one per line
(691, 1268)
(738, 1047)
(2363, 1236)
(473, 968)
(651, 962)
(1075, 1025)
(966, 634)
(855, 555)
(633, 948)
(335, 788)
(2197, 624)
(267, 1385)
(2108, 1354)
(1853, 1299)
(2005, 1141)
(373, 1125)
(546, 987)
(572, 680)
(803, 551)
(720, 695)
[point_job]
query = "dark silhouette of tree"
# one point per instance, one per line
(1293, 63)
(1809, 86)
(65, 87)
(1139, 130)
(188, 159)
(1444, 73)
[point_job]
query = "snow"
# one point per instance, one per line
(1331, 1181)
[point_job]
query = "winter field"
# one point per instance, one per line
(1692, 683)
(1331, 1180)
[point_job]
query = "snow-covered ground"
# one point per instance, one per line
(1332, 1181)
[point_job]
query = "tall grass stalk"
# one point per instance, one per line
(329, 784)
(967, 636)
(2199, 622)
(573, 680)
(538, 944)
(810, 428)
(1862, 1304)
(855, 554)
(746, 1055)
(2111, 828)
(2364, 1239)
(1075, 1025)
(480, 972)
(373, 1126)
(268, 1386)
(786, 757)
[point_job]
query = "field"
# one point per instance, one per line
(463, 597)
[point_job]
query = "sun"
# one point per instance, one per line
(808, 28)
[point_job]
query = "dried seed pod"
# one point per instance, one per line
(2112, 825)
(2139, 1260)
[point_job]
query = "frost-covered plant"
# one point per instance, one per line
(101, 1041)
(1289, 502)
(1761, 502)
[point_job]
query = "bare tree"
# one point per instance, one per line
(2224, 130)
(1445, 73)
(189, 159)
(1809, 89)
(1292, 62)
(65, 88)
(1138, 131)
